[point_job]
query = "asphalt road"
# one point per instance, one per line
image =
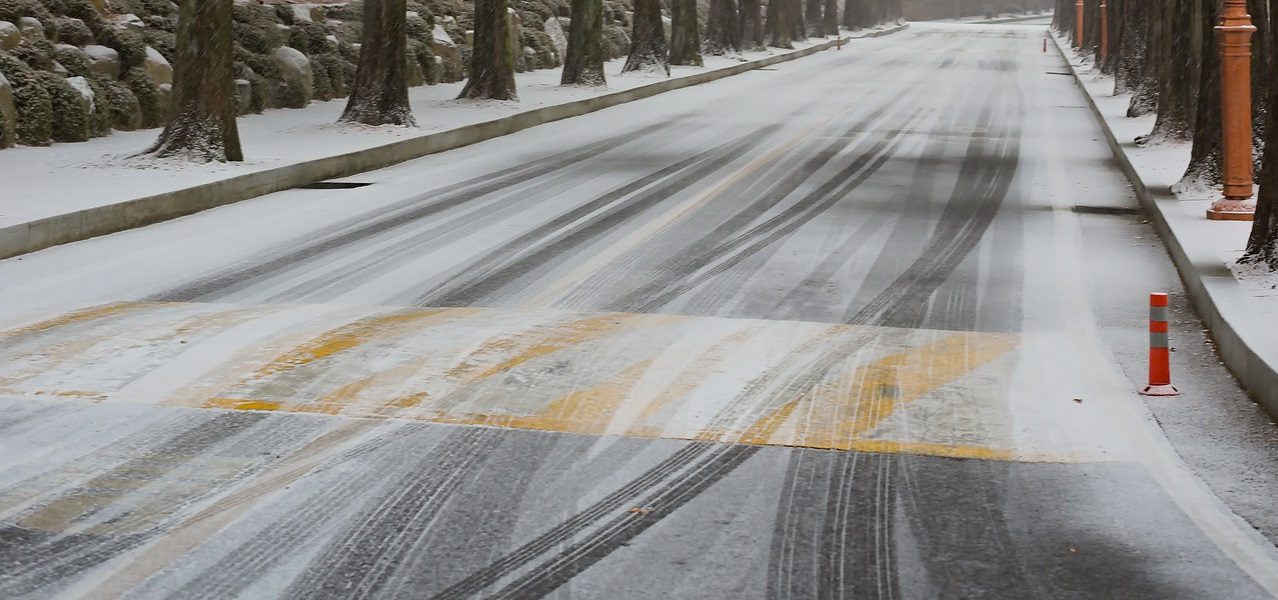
(842, 329)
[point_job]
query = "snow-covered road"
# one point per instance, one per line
(858, 326)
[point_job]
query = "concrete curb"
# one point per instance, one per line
(1216, 297)
(80, 225)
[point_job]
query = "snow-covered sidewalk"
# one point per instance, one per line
(1240, 306)
(39, 183)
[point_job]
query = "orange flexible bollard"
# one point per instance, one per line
(1159, 350)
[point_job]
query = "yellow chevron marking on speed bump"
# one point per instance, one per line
(892, 382)
(630, 374)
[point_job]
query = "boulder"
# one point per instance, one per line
(6, 104)
(158, 67)
(166, 99)
(441, 37)
(31, 28)
(558, 38)
(103, 60)
(10, 36)
(309, 12)
(243, 96)
(298, 79)
(82, 85)
(131, 21)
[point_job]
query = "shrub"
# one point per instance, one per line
(70, 109)
(159, 8)
(79, 9)
(73, 31)
(157, 23)
(123, 107)
(128, 43)
(148, 95)
(284, 13)
(262, 65)
(256, 27)
(309, 38)
(100, 116)
(351, 11)
(38, 54)
(321, 86)
(259, 93)
(6, 136)
(331, 66)
(348, 51)
(419, 29)
(12, 10)
(425, 58)
(256, 40)
(291, 94)
(31, 101)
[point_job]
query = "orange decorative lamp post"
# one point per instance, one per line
(1104, 32)
(1235, 31)
(1078, 23)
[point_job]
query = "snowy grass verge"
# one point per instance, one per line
(71, 192)
(1239, 306)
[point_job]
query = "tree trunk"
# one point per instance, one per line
(852, 14)
(1131, 50)
(1177, 76)
(812, 18)
(1262, 246)
(723, 28)
(830, 18)
(1145, 84)
(1262, 46)
(204, 99)
(798, 31)
(751, 25)
(379, 95)
(648, 39)
(1205, 166)
(778, 24)
(685, 42)
(492, 63)
(584, 60)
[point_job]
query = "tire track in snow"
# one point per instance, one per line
(339, 237)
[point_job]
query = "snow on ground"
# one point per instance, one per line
(1161, 165)
(43, 182)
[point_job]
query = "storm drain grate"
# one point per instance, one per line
(1109, 210)
(334, 185)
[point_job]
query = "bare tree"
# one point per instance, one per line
(203, 125)
(648, 39)
(379, 95)
(1262, 246)
(492, 63)
(685, 41)
(584, 62)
